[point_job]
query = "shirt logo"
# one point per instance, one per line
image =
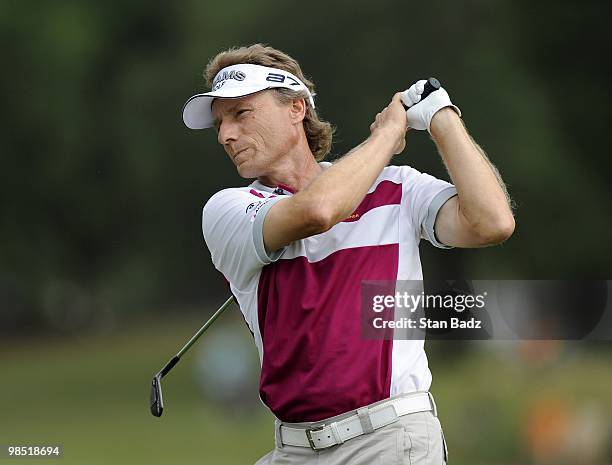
(250, 206)
(256, 207)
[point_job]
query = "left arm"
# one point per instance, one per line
(480, 214)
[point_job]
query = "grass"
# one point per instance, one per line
(90, 394)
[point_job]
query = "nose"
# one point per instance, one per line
(227, 133)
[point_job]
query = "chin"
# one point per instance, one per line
(246, 172)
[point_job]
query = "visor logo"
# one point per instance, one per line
(275, 77)
(223, 77)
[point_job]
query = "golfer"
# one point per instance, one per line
(297, 243)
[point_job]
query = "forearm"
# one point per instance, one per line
(339, 189)
(483, 198)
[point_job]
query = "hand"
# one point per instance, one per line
(420, 113)
(391, 122)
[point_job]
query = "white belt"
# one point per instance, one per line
(365, 420)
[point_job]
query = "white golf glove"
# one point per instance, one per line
(420, 113)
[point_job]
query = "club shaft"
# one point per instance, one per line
(212, 319)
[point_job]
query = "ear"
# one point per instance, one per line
(297, 110)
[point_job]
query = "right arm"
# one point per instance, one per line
(337, 192)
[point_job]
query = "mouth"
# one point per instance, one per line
(235, 156)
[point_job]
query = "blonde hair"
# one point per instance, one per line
(319, 133)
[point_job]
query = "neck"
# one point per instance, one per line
(296, 169)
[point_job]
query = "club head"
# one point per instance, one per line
(157, 401)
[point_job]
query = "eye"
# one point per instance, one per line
(242, 111)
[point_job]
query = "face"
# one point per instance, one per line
(256, 131)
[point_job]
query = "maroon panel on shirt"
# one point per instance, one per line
(316, 363)
(386, 193)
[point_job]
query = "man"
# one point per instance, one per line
(296, 244)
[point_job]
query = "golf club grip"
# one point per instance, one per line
(431, 85)
(173, 361)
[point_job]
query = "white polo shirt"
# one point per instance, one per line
(302, 303)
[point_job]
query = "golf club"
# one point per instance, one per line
(431, 85)
(157, 401)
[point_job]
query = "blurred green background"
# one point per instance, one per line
(104, 273)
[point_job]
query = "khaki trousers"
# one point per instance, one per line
(414, 439)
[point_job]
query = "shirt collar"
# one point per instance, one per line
(282, 189)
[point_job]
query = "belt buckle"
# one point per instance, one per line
(309, 432)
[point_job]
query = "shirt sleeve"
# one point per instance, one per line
(232, 224)
(424, 195)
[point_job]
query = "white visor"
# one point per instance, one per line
(237, 81)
